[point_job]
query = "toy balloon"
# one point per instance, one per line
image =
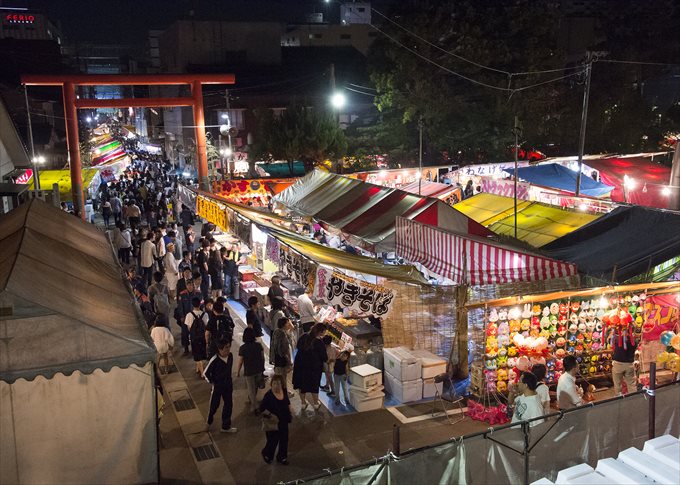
(523, 363)
(675, 342)
(674, 362)
(665, 337)
(662, 358)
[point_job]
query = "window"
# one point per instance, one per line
(345, 36)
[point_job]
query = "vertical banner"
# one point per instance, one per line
(212, 212)
(295, 266)
(336, 288)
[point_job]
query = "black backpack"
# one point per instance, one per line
(225, 328)
(197, 330)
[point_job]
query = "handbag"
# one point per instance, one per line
(270, 422)
(261, 381)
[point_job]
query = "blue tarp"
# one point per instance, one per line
(558, 177)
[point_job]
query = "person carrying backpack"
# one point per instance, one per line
(196, 321)
(220, 328)
(158, 294)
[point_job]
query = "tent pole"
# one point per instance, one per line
(462, 331)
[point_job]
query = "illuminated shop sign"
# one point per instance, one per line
(19, 18)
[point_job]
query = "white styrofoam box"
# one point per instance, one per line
(430, 388)
(568, 474)
(368, 392)
(542, 481)
(400, 363)
(432, 365)
(365, 376)
(651, 467)
(404, 391)
(620, 472)
(366, 404)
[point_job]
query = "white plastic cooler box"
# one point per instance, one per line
(402, 364)
(404, 391)
(432, 365)
(363, 399)
(365, 376)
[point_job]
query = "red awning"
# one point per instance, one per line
(468, 260)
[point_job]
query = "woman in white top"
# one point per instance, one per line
(163, 340)
(539, 371)
(528, 403)
(171, 270)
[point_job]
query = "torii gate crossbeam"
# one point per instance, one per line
(69, 83)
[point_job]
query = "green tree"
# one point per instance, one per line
(298, 133)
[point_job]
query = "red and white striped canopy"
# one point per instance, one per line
(467, 260)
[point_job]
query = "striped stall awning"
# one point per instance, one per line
(470, 260)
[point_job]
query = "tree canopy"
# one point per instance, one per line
(298, 133)
(516, 64)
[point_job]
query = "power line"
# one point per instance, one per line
(427, 59)
(615, 61)
(549, 81)
(362, 87)
(373, 95)
(465, 59)
(439, 48)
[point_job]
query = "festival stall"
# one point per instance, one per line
(628, 242)
(397, 178)
(91, 182)
(555, 176)
(77, 388)
(537, 224)
(255, 192)
(513, 333)
(365, 213)
(438, 190)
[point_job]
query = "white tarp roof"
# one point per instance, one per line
(70, 309)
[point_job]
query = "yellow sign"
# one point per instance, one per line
(212, 212)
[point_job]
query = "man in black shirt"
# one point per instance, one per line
(275, 291)
(623, 367)
(220, 328)
(218, 373)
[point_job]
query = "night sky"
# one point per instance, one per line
(127, 21)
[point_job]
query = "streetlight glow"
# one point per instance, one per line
(88, 119)
(226, 152)
(338, 100)
(666, 191)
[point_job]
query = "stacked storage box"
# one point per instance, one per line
(403, 374)
(432, 366)
(366, 392)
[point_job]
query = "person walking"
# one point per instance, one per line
(251, 359)
(623, 367)
(124, 244)
(215, 269)
(340, 372)
(280, 350)
(147, 256)
(329, 387)
(202, 259)
(163, 340)
(306, 311)
(106, 213)
(275, 409)
(220, 327)
(116, 208)
(308, 365)
(196, 322)
(134, 214)
(171, 271)
(218, 374)
(158, 294)
(254, 316)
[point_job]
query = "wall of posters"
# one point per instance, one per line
(337, 288)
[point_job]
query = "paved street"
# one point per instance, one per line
(317, 440)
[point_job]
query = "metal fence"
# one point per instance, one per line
(527, 451)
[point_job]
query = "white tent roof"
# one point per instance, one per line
(63, 303)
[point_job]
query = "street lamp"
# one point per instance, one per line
(88, 119)
(39, 160)
(338, 100)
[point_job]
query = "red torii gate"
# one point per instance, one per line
(69, 83)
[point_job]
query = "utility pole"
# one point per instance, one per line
(516, 129)
(584, 120)
(34, 160)
(420, 153)
(231, 151)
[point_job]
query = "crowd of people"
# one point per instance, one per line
(181, 276)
